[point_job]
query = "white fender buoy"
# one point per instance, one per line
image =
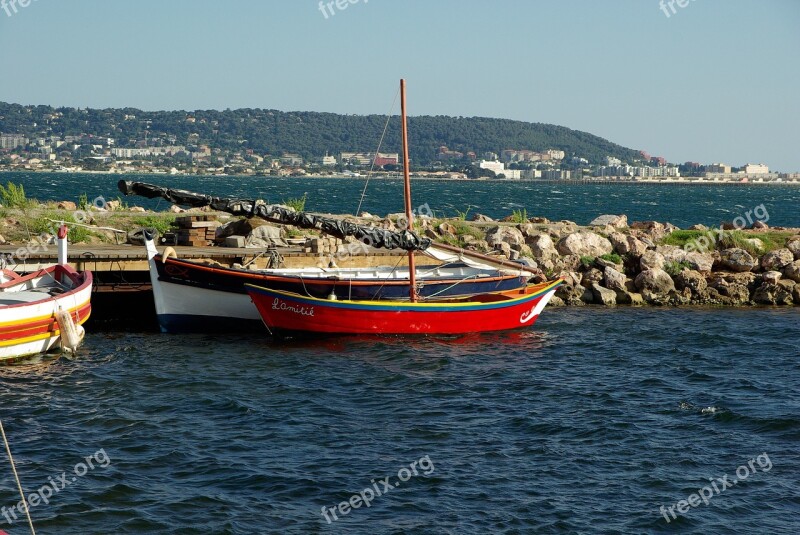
(71, 335)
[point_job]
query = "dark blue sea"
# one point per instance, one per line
(611, 421)
(588, 423)
(682, 205)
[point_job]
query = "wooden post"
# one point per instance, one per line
(412, 270)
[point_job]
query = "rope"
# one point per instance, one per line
(19, 485)
(380, 143)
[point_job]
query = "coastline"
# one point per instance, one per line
(418, 176)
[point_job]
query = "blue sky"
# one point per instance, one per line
(717, 80)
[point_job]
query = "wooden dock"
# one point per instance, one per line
(123, 297)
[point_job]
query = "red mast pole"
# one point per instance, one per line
(412, 270)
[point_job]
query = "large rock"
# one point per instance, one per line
(584, 244)
(738, 260)
(792, 271)
(603, 296)
(655, 280)
(67, 205)
(570, 262)
(625, 244)
(614, 280)
(542, 246)
(591, 277)
(616, 221)
(772, 294)
(482, 218)
(793, 244)
(651, 260)
(696, 260)
(771, 277)
(570, 278)
(574, 295)
(691, 279)
(505, 234)
(777, 260)
(699, 261)
(655, 229)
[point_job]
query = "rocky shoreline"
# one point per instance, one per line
(611, 262)
(608, 262)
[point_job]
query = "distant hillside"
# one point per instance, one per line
(307, 133)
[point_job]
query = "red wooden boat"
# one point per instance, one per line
(287, 313)
(290, 314)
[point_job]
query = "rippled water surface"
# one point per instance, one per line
(682, 205)
(588, 423)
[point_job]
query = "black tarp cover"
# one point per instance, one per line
(375, 237)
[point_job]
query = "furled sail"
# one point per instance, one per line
(375, 237)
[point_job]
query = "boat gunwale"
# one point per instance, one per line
(320, 280)
(397, 306)
(83, 279)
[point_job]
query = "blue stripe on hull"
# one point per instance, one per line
(188, 323)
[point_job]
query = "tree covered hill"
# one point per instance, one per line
(310, 134)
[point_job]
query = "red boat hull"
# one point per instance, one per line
(285, 312)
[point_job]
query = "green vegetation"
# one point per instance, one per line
(13, 196)
(673, 268)
(161, 222)
(612, 257)
(298, 204)
(311, 133)
(587, 261)
(771, 240)
(520, 216)
(680, 238)
(463, 215)
(730, 238)
(42, 224)
(83, 202)
(465, 229)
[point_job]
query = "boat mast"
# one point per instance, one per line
(412, 269)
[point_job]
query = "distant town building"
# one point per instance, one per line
(718, 168)
(531, 173)
(556, 174)
(328, 160)
(367, 158)
(447, 154)
(513, 155)
(12, 141)
(611, 160)
(289, 158)
(755, 169)
(496, 167)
